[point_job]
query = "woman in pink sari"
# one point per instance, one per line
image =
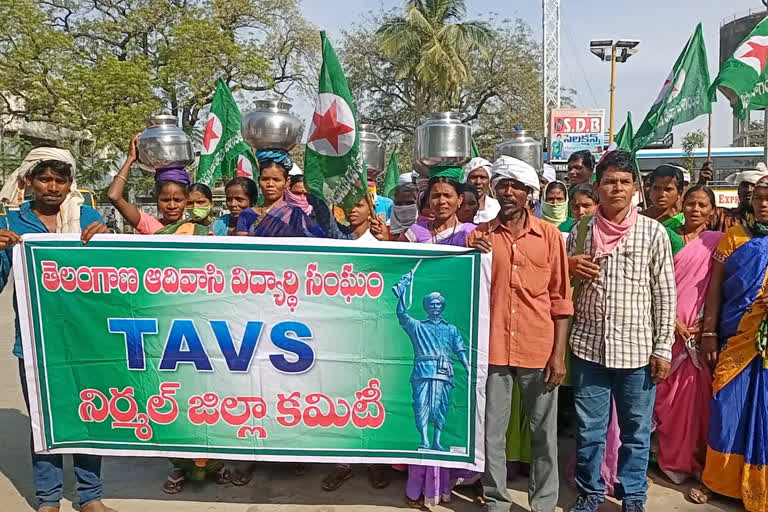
(682, 401)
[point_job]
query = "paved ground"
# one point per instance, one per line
(134, 485)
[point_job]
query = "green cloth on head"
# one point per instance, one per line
(447, 171)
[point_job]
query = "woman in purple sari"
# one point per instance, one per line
(276, 218)
(429, 485)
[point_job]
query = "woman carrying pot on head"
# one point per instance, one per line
(277, 217)
(170, 192)
(241, 193)
(478, 174)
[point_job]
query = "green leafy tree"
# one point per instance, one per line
(98, 68)
(434, 44)
(505, 89)
(690, 143)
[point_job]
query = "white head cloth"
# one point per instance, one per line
(477, 163)
(508, 167)
(752, 176)
(405, 178)
(68, 220)
(548, 173)
(295, 170)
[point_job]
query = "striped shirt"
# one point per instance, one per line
(627, 313)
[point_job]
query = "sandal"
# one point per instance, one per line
(378, 476)
(700, 495)
(300, 469)
(479, 491)
(418, 504)
(337, 478)
(223, 476)
(243, 474)
(175, 482)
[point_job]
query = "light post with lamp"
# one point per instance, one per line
(613, 51)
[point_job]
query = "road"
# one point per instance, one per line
(134, 485)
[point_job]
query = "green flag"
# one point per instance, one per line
(684, 95)
(624, 138)
(334, 167)
(393, 173)
(742, 79)
(475, 151)
(224, 153)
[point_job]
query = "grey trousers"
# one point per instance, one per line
(541, 408)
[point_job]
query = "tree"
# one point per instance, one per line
(505, 89)
(100, 67)
(690, 143)
(432, 44)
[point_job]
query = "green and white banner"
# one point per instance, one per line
(255, 349)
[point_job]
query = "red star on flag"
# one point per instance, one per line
(209, 135)
(759, 52)
(328, 127)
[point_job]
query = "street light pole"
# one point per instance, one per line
(613, 92)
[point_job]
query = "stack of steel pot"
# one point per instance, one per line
(373, 150)
(522, 145)
(164, 145)
(442, 140)
(270, 125)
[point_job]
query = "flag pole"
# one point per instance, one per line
(709, 137)
(765, 135)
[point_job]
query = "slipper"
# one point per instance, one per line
(175, 482)
(223, 476)
(243, 474)
(337, 478)
(378, 476)
(700, 495)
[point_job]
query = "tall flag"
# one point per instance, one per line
(334, 167)
(684, 95)
(224, 153)
(393, 174)
(624, 138)
(742, 79)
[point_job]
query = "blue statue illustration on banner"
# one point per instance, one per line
(435, 342)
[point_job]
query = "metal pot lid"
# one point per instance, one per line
(272, 105)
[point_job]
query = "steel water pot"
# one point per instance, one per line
(163, 144)
(443, 140)
(270, 125)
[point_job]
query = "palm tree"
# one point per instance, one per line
(433, 44)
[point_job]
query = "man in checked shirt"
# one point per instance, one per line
(622, 334)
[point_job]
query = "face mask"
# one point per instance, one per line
(403, 216)
(554, 213)
(199, 212)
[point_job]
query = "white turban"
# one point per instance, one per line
(295, 170)
(68, 219)
(405, 178)
(477, 163)
(752, 176)
(508, 167)
(549, 173)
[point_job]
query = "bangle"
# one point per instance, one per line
(122, 178)
(709, 335)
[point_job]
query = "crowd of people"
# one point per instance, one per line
(653, 318)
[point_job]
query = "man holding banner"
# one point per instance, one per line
(530, 306)
(57, 208)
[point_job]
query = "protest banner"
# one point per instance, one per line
(573, 130)
(255, 349)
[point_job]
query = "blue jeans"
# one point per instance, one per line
(635, 394)
(48, 472)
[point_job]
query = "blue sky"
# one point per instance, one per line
(663, 26)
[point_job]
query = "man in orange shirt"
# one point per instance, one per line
(530, 306)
